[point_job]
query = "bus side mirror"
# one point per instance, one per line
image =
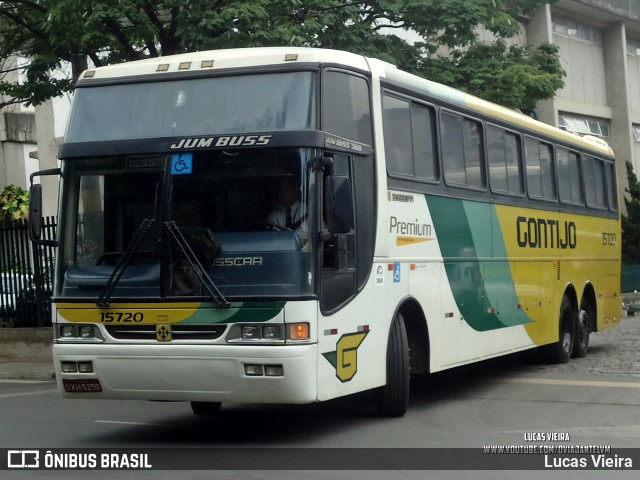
(35, 212)
(35, 209)
(338, 199)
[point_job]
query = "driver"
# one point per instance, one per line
(289, 212)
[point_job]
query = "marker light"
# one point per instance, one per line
(299, 331)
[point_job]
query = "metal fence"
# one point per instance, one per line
(26, 275)
(630, 278)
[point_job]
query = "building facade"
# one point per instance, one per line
(599, 44)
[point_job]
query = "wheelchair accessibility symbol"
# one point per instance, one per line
(181, 163)
(396, 273)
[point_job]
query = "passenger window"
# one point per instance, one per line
(505, 171)
(569, 177)
(594, 182)
(409, 138)
(461, 151)
(539, 163)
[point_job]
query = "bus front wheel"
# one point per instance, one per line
(206, 409)
(392, 399)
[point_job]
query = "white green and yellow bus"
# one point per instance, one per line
(434, 230)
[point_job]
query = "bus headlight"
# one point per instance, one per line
(272, 332)
(79, 332)
(86, 331)
(250, 332)
(68, 331)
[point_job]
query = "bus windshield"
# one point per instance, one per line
(245, 216)
(201, 106)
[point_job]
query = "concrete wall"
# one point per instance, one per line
(584, 63)
(26, 343)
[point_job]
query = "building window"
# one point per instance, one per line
(583, 125)
(636, 133)
(571, 28)
(633, 47)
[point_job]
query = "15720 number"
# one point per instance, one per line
(121, 317)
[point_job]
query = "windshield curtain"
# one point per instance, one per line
(204, 106)
(245, 215)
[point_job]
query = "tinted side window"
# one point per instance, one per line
(611, 187)
(594, 182)
(569, 177)
(504, 153)
(539, 163)
(461, 151)
(396, 120)
(346, 106)
(408, 138)
(424, 148)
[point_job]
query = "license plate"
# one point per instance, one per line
(82, 385)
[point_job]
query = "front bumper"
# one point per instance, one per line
(205, 373)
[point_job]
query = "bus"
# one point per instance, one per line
(434, 229)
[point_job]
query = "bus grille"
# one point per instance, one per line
(179, 332)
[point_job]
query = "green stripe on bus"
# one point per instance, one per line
(476, 264)
(238, 312)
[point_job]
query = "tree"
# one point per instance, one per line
(631, 221)
(49, 32)
(14, 203)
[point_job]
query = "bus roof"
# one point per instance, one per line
(264, 56)
(227, 58)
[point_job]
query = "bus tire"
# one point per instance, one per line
(392, 399)
(560, 351)
(581, 342)
(206, 409)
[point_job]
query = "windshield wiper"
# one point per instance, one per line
(105, 295)
(213, 291)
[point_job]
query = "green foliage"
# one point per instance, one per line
(51, 31)
(14, 203)
(631, 221)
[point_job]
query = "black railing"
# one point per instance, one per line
(26, 275)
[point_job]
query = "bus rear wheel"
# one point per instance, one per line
(560, 351)
(207, 409)
(581, 343)
(392, 399)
